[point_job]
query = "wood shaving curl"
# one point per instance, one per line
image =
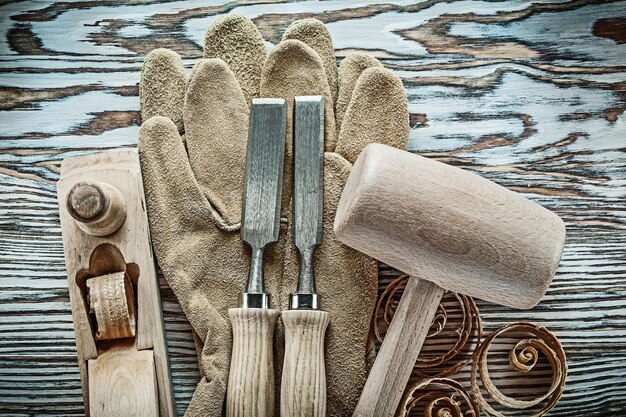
(111, 301)
(465, 325)
(438, 397)
(522, 358)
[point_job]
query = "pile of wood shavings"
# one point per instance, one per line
(439, 397)
(455, 341)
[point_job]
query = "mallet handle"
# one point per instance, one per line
(404, 339)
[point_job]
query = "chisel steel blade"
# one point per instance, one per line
(308, 198)
(264, 172)
(308, 171)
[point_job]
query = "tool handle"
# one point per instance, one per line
(251, 381)
(303, 385)
(404, 339)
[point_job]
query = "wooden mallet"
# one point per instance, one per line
(448, 229)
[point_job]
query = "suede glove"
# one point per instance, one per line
(192, 148)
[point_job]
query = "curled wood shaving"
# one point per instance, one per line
(111, 300)
(438, 397)
(457, 318)
(522, 358)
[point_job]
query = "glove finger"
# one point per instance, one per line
(315, 34)
(208, 399)
(162, 86)
(216, 123)
(350, 70)
(295, 69)
(237, 41)
(177, 209)
(377, 113)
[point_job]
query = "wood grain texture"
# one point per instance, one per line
(251, 377)
(303, 384)
(126, 384)
(528, 94)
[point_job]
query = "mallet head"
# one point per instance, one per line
(449, 226)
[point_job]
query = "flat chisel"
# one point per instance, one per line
(303, 385)
(251, 379)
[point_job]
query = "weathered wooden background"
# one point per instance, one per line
(529, 94)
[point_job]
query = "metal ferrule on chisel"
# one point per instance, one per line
(254, 296)
(306, 296)
(308, 152)
(262, 191)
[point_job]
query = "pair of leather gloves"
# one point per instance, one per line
(192, 147)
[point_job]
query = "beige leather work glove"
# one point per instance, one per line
(194, 195)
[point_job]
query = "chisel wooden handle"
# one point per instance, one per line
(404, 339)
(251, 379)
(303, 385)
